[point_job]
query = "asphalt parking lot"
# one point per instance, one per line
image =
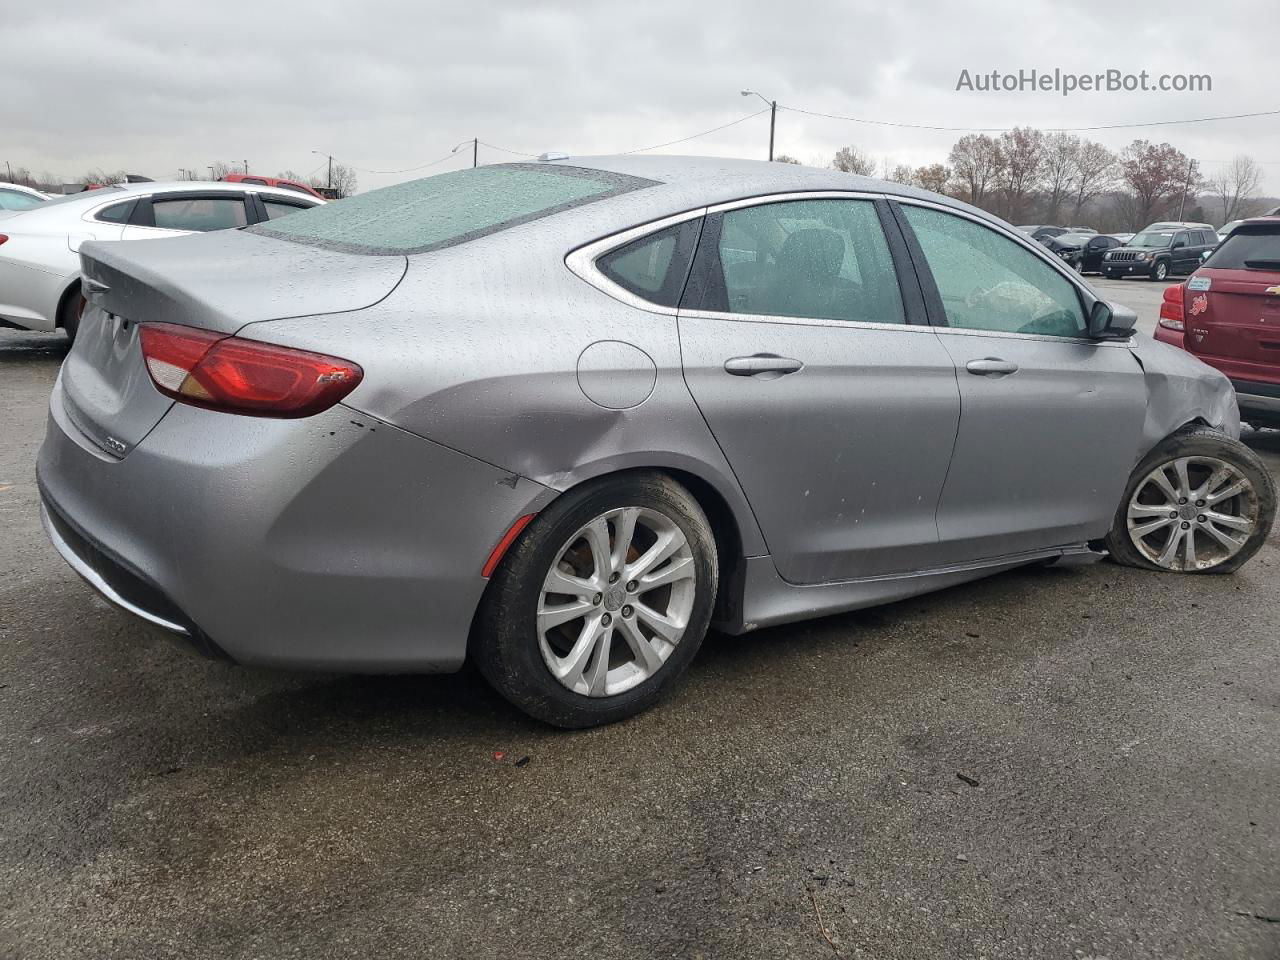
(1056, 762)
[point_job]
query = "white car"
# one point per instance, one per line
(39, 259)
(14, 196)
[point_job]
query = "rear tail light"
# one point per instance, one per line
(1171, 315)
(4, 238)
(235, 375)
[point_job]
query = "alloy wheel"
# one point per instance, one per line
(616, 601)
(1192, 513)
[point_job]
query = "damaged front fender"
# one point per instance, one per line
(1182, 390)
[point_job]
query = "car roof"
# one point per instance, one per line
(5, 185)
(684, 183)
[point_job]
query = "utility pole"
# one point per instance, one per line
(773, 115)
(475, 150)
(1191, 169)
(10, 169)
(330, 178)
(246, 168)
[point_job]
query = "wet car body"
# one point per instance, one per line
(843, 463)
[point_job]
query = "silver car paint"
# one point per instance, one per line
(477, 407)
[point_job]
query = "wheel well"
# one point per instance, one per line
(724, 525)
(67, 294)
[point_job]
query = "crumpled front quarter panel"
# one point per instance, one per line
(1181, 389)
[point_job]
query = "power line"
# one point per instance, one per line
(424, 166)
(514, 153)
(1105, 126)
(695, 136)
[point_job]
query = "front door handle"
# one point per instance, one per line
(767, 366)
(991, 367)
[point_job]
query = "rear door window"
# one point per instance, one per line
(116, 213)
(808, 259)
(451, 208)
(199, 214)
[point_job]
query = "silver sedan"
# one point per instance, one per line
(560, 418)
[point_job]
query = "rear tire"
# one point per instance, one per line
(1154, 521)
(69, 314)
(612, 659)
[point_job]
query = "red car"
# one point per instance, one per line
(1227, 314)
(272, 182)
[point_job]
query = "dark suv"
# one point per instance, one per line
(1157, 253)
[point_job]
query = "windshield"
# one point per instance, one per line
(1075, 239)
(1152, 239)
(448, 209)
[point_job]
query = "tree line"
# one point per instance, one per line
(1026, 175)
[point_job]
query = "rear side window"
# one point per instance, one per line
(116, 213)
(1249, 248)
(201, 214)
(809, 259)
(277, 209)
(449, 209)
(655, 267)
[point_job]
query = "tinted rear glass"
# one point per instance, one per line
(655, 267)
(1249, 248)
(448, 209)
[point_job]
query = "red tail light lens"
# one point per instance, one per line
(1171, 316)
(235, 375)
(4, 238)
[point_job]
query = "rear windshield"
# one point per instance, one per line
(1249, 248)
(448, 209)
(101, 193)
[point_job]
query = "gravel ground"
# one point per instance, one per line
(1063, 762)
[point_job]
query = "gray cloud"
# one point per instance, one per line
(151, 86)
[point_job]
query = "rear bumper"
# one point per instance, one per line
(1175, 338)
(334, 542)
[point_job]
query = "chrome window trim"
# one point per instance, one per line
(582, 261)
(1038, 250)
(808, 321)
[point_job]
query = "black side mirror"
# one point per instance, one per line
(1111, 321)
(1178, 244)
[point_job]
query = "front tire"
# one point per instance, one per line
(1199, 502)
(1160, 272)
(602, 602)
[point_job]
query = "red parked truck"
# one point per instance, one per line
(1229, 314)
(273, 182)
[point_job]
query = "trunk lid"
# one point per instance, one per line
(217, 281)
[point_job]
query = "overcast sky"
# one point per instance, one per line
(154, 86)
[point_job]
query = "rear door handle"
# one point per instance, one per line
(991, 367)
(767, 366)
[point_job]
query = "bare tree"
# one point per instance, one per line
(344, 180)
(933, 177)
(902, 173)
(1155, 174)
(977, 161)
(102, 177)
(1095, 173)
(1061, 153)
(1236, 185)
(1023, 151)
(852, 160)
